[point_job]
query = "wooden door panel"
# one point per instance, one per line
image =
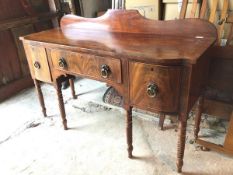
(15, 21)
(9, 62)
(17, 32)
(11, 9)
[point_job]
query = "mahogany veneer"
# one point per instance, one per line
(157, 66)
(164, 76)
(86, 64)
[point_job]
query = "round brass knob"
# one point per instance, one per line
(37, 65)
(152, 90)
(221, 21)
(62, 63)
(105, 71)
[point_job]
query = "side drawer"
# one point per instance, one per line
(154, 87)
(100, 68)
(38, 63)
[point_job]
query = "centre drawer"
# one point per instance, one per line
(155, 87)
(100, 68)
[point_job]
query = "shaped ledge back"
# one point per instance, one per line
(130, 21)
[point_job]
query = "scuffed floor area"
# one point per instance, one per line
(95, 144)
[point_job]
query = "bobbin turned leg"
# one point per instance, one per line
(161, 120)
(181, 143)
(61, 103)
(40, 95)
(71, 81)
(200, 104)
(129, 130)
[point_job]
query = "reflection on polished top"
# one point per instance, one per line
(158, 41)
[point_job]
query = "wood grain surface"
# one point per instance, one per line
(86, 64)
(38, 54)
(166, 78)
(228, 144)
(159, 43)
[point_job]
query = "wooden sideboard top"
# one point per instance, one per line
(125, 33)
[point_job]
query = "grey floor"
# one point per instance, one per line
(95, 144)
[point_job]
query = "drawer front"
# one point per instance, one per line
(100, 68)
(154, 87)
(38, 63)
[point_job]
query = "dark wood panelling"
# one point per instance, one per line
(43, 25)
(11, 9)
(221, 69)
(15, 87)
(17, 32)
(199, 79)
(19, 22)
(9, 62)
(17, 18)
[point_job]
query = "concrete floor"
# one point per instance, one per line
(95, 144)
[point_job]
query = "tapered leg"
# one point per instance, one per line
(200, 104)
(40, 95)
(129, 131)
(61, 104)
(161, 120)
(71, 81)
(181, 144)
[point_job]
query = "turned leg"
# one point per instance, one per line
(161, 120)
(71, 81)
(200, 104)
(181, 144)
(40, 95)
(61, 104)
(129, 131)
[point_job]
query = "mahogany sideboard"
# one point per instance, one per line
(159, 66)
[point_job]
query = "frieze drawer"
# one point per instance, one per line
(38, 63)
(100, 68)
(154, 87)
